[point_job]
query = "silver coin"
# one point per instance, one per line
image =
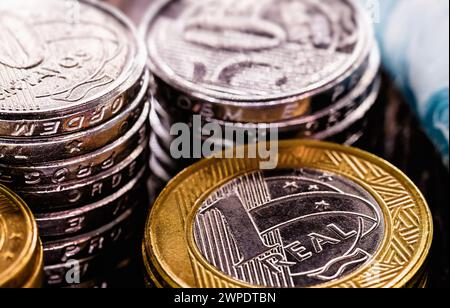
(70, 195)
(92, 216)
(40, 150)
(155, 185)
(325, 127)
(161, 131)
(124, 274)
(85, 269)
(323, 120)
(344, 125)
(345, 120)
(91, 244)
(163, 114)
(80, 167)
(160, 154)
(65, 66)
(289, 228)
(257, 60)
(320, 125)
(158, 170)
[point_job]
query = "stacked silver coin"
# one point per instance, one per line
(74, 129)
(308, 68)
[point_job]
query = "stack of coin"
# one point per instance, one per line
(74, 128)
(21, 254)
(327, 216)
(307, 68)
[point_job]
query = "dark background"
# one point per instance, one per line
(396, 136)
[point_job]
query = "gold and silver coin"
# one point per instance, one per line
(21, 262)
(327, 216)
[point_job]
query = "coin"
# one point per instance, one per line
(160, 130)
(25, 152)
(345, 125)
(62, 72)
(152, 279)
(320, 128)
(90, 244)
(78, 168)
(258, 61)
(72, 194)
(116, 278)
(18, 240)
(92, 216)
(67, 274)
(327, 216)
(321, 121)
(86, 269)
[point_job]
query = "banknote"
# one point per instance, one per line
(414, 38)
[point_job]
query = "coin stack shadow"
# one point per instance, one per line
(232, 74)
(78, 155)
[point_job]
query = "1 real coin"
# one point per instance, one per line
(18, 240)
(328, 216)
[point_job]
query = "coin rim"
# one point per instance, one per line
(36, 279)
(186, 86)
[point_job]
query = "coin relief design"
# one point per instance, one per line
(244, 50)
(291, 228)
(49, 62)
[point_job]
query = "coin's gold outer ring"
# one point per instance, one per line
(354, 164)
(36, 279)
(16, 273)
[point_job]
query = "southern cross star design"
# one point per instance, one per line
(326, 178)
(313, 187)
(291, 185)
(322, 206)
(74, 146)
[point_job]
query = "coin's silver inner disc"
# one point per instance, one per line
(255, 49)
(289, 228)
(56, 54)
